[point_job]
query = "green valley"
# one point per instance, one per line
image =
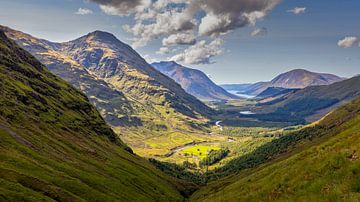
(91, 120)
(56, 147)
(319, 162)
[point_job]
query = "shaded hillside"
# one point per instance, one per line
(275, 91)
(318, 163)
(55, 146)
(315, 99)
(194, 82)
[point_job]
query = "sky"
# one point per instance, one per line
(233, 41)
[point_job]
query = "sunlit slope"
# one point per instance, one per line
(55, 146)
(144, 106)
(325, 166)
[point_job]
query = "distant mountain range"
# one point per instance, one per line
(295, 79)
(313, 102)
(195, 82)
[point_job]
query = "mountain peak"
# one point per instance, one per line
(300, 70)
(194, 81)
(301, 78)
(166, 63)
(102, 36)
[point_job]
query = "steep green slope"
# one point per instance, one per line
(144, 106)
(55, 146)
(111, 103)
(319, 163)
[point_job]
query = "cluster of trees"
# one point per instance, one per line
(213, 157)
(269, 151)
(179, 171)
(296, 110)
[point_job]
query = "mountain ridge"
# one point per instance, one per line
(306, 102)
(296, 78)
(193, 81)
(55, 146)
(137, 101)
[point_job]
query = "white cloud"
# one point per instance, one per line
(84, 11)
(179, 39)
(163, 51)
(149, 59)
(297, 10)
(200, 53)
(259, 32)
(348, 42)
(184, 22)
(123, 7)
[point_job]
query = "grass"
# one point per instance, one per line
(200, 151)
(55, 146)
(325, 167)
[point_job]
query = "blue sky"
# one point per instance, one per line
(308, 40)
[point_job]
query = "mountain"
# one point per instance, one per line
(294, 79)
(318, 163)
(55, 146)
(118, 64)
(314, 102)
(300, 78)
(139, 102)
(195, 82)
(275, 91)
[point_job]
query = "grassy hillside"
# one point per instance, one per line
(149, 110)
(313, 100)
(55, 146)
(319, 163)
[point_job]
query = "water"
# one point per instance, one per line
(234, 92)
(247, 113)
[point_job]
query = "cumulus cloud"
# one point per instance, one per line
(226, 15)
(297, 10)
(183, 22)
(259, 32)
(83, 11)
(179, 39)
(349, 42)
(200, 53)
(122, 7)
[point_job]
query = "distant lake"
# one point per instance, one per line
(247, 113)
(234, 92)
